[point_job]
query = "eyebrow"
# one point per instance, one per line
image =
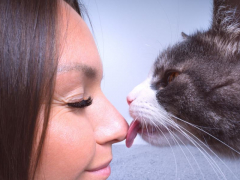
(87, 70)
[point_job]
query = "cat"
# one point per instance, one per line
(192, 93)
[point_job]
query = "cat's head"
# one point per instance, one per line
(192, 93)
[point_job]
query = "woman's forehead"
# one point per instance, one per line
(77, 47)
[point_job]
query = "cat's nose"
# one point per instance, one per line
(130, 99)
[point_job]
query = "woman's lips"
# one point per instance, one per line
(104, 169)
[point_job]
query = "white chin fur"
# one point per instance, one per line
(145, 108)
(165, 139)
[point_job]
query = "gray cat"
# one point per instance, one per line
(192, 93)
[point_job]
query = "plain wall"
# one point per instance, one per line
(131, 33)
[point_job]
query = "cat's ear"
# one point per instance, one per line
(185, 36)
(226, 17)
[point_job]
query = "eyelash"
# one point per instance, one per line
(81, 104)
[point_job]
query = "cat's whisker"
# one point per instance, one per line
(166, 119)
(177, 143)
(175, 140)
(212, 163)
(168, 143)
(144, 122)
(175, 126)
(190, 153)
(206, 133)
(207, 148)
(175, 159)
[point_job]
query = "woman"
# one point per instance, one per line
(55, 122)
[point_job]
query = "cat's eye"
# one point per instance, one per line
(172, 76)
(168, 77)
(81, 104)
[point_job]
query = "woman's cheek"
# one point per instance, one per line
(69, 146)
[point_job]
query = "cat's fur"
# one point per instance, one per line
(201, 106)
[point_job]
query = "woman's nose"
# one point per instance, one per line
(113, 126)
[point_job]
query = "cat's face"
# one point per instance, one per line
(192, 93)
(156, 127)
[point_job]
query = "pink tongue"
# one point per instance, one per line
(132, 133)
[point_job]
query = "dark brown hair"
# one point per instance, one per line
(28, 63)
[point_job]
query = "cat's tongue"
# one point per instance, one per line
(132, 132)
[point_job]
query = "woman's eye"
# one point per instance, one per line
(172, 76)
(81, 104)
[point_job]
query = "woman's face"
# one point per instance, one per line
(80, 133)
